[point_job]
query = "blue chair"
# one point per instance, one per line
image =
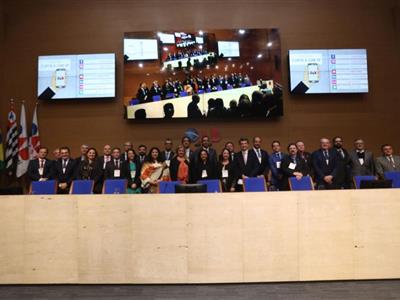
(219, 88)
(199, 92)
(183, 94)
(115, 186)
(248, 83)
(357, 180)
(208, 90)
(394, 176)
(242, 84)
(48, 187)
(82, 187)
(170, 96)
(304, 184)
(156, 98)
(229, 87)
(213, 185)
(254, 184)
(134, 102)
(167, 187)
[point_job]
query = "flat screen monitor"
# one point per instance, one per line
(76, 76)
(322, 71)
(228, 48)
(140, 49)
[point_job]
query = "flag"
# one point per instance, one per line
(23, 148)
(34, 139)
(11, 140)
(1, 152)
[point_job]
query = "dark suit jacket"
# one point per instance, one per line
(33, 170)
(301, 166)
(125, 169)
(264, 164)
(109, 171)
(227, 183)
(321, 169)
(86, 172)
(367, 168)
(164, 156)
(197, 170)
(174, 166)
(342, 178)
(250, 169)
(69, 174)
(143, 95)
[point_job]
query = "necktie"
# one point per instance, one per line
(117, 163)
(258, 153)
(64, 164)
(341, 152)
(326, 154)
(41, 163)
(392, 161)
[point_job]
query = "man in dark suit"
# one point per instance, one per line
(167, 154)
(188, 151)
(155, 89)
(84, 149)
(361, 160)
(102, 160)
(275, 161)
(41, 169)
(65, 171)
(206, 145)
(193, 110)
(142, 152)
(262, 157)
(324, 163)
(292, 165)
(245, 164)
(342, 179)
(127, 146)
(114, 168)
(143, 94)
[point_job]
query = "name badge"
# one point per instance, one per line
(168, 162)
(225, 174)
(240, 182)
(40, 171)
(292, 166)
(361, 160)
(117, 173)
(278, 164)
(133, 174)
(203, 174)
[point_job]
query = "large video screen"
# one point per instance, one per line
(328, 71)
(76, 76)
(203, 74)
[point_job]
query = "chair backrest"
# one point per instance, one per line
(170, 95)
(134, 102)
(229, 87)
(183, 94)
(254, 184)
(81, 187)
(167, 187)
(156, 98)
(48, 187)
(115, 186)
(304, 184)
(357, 179)
(394, 176)
(200, 92)
(213, 185)
(219, 88)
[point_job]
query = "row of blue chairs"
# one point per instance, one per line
(119, 186)
(255, 184)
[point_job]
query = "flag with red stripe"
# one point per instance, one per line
(23, 148)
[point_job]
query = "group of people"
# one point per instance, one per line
(331, 166)
(185, 54)
(191, 85)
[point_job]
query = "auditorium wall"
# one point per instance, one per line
(44, 27)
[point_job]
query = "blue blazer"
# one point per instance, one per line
(321, 168)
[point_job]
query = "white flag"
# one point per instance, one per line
(23, 148)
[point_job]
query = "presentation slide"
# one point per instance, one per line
(228, 49)
(140, 49)
(76, 76)
(328, 71)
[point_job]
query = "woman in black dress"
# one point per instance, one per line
(225, 171)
